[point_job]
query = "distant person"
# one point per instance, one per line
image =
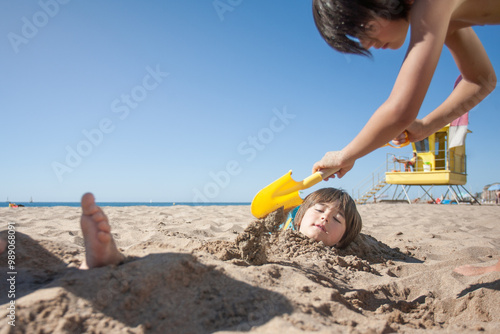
(497, 201)
(355, 26)
(410, 165)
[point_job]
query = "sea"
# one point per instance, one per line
(119, 204)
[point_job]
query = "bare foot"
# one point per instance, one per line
(100, 248)
(469, 270)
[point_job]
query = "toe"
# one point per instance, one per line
(98, 216)
(88, 204)
(104, 226)
(103, 237)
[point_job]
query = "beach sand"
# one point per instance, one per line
(212, 269)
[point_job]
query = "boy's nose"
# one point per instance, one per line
(366, 43)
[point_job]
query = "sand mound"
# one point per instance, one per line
(213, 269)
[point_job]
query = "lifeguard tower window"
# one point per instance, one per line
(422, 146)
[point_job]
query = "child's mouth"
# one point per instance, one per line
(321, 227)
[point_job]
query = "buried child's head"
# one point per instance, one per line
(329, 215)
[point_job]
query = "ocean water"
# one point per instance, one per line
(77, 204)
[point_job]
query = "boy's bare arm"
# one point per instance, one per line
(429, 25)
(478, 81)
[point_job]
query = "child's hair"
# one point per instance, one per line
(341, 21)
(346, 205)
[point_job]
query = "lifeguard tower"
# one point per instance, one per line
(435, 165)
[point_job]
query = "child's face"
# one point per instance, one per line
(385, 34)
(324, 222)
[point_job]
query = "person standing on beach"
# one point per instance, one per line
(355, 26)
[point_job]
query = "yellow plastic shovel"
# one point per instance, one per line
(285, 192)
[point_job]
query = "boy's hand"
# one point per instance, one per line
(334, 160)
(415, 132)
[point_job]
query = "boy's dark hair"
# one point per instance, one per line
(340, 21)
(346, 205)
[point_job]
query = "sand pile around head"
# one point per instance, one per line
(253, 244)
(263, 242)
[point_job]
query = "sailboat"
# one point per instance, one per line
(31, 199)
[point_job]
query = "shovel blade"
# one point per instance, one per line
(282, 192)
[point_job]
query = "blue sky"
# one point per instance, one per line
(176, 101)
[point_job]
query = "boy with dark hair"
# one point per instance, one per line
(354, 26)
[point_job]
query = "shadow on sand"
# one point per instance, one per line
(495, 285)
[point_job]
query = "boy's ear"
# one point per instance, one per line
(371, 27)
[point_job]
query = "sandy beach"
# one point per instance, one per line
(214, 269)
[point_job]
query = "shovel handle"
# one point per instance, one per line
(317, 177)
(327, 172)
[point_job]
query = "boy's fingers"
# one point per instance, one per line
(316, 167)
(399, 139)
